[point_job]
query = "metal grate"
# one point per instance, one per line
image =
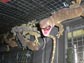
(75, 44)
(22, 11)
(16, 57)
(34, 9)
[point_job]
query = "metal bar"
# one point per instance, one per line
(77, 28)
(66, 43)
(75, 54)
(73, 47)
(18, 8)
(24, 13)
(12, 17)
(57, 51)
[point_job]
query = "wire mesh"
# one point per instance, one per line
(16, 57)
(36, 9)
(22, 11)
(75, 38)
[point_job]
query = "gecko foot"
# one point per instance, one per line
(60, 33)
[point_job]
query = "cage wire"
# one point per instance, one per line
(26, 10)
(23, 11)
(75, 43)
(34, 9)
(16, 57)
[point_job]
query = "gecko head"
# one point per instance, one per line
(46, 26)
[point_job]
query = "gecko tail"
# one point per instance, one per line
(78, 1)
(75, 3)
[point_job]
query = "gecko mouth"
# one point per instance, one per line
(46, 30)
